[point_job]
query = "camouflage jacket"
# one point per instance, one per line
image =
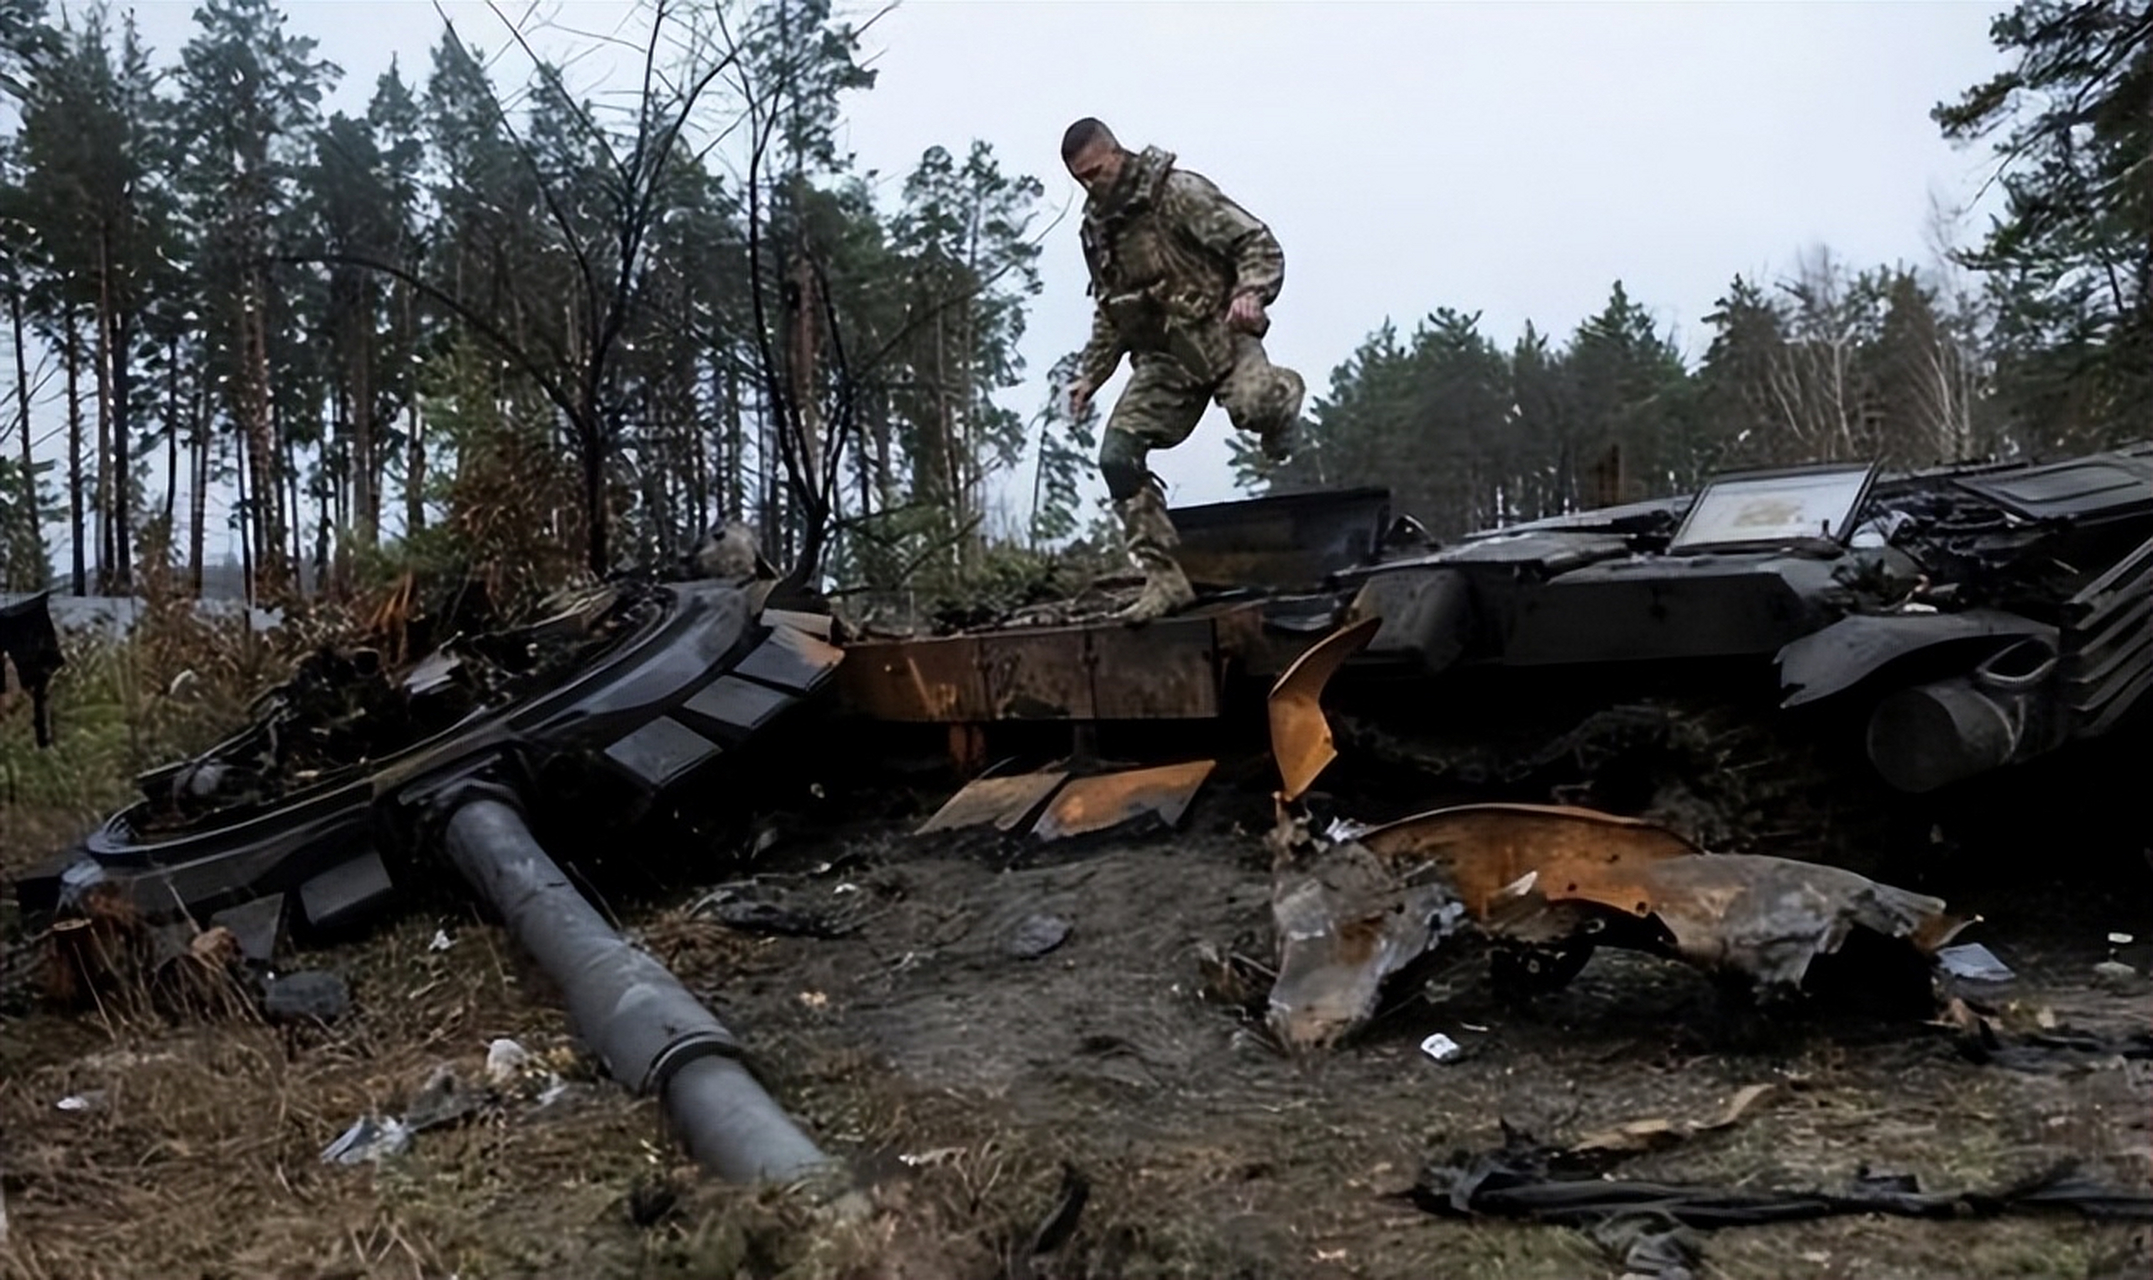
(1167, 252)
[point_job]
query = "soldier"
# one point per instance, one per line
(1181, 276)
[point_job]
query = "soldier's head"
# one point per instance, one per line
(1093, 155)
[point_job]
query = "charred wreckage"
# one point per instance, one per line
(1916, 632)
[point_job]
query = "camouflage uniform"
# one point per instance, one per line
(1168, 252)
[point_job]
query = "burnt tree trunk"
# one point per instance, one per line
(171, 436)
(22, 419)
(71, 357)
(198, 491)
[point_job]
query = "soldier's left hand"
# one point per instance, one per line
(1246, 313)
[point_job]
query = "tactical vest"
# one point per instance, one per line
(1163, 290)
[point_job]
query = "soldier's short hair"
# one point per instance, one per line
(1084, 133)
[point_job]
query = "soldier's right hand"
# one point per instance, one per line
(1080, 393)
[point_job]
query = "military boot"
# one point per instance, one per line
(1282, 427)
(1151, 540)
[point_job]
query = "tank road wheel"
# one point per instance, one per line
(1520, 971)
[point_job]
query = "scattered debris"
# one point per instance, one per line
(2116, 975)
(1648, 1248)
(78, 1102)
(1345, 925)
(504, 1058)
(1107, 800)
(1657, 1132)
(1007, 802)
(1550, 884)
(310, 995)
(1974, 963)
(1059, 1224)
(442, 1100)
(370, 1138)
(1036, 935)
(1441, 1047)
(1565, 1188)
(750, 916)
(441, 941)
(744, 908)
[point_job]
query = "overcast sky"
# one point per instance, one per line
(1513, 159)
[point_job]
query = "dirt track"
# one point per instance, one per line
(958, 1076)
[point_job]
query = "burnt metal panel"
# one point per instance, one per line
(1107, 800)
(733, 708)
(1166, 669)
(1037, 675)
(935, 681)
(1006, 802)
(661, 752)
(2105, 485)
(1281, 541)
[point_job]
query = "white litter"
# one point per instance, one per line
(1975, 963)
(504, 1058)
(442, 941)
(368, 1139)
(1440, 1047)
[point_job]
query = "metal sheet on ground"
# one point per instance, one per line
(1098, 803)
(1006, 802)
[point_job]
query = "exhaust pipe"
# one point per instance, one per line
(1935, 734)
(651, 1034)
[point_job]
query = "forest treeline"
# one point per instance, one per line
(551, 329)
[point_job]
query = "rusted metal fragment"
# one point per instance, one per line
(1097, 803)
(1043, 675)
(1557, 881)
(1167, 669)
(1767, 918)
(1006, 802)
(1344, 927)
(1301, 740)
(934, 681)
(1491, 855)
(1761, 916)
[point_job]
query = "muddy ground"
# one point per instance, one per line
(960, 1078)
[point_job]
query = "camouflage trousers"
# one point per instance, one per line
(1164, 402)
